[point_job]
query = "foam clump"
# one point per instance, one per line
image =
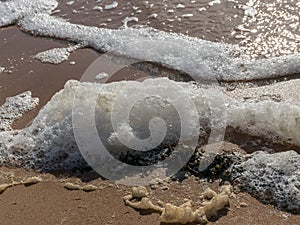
(57, 55)
(49, 144)
(4, 187)
(218, 202)
(89, 188)
(129, 19)
(54, 56)
(275, 121)
(139, 192)
(31, 180)
(144, 204)
(112, 5)
(76, 187)
(71, 187)
(249, 11)
(27, 182)
(271, 178)
(223, 62)
(13, 10)
(14, 108)
(184, 213)
(101, 76)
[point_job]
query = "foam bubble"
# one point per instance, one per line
(11, 11)
(112, 5)
(129, 19)
(101, 76)
(249, 11)
(70, 2)
(180, 6)
(214, 2)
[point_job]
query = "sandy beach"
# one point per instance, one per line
(49, 201)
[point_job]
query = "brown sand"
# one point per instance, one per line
(49, 202)
(43, 80)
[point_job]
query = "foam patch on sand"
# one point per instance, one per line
(276, 121)
(14, 108)
(271, 178)
(13, 10)
(202, 59)
(57, 55)
(212, 205)
(49, 143)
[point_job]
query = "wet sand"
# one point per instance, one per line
(214, 23)
(24, 73)
(49, 202)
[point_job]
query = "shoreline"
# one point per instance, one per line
(48, 202)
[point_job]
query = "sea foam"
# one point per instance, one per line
(199, 58)
(49, 142)
(11, 11)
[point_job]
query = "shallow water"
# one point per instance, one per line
(214, 23)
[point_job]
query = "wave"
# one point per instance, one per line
(199, 58)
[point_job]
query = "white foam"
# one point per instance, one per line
(129, 19)
(202, 59)
(112, 5)
(57, 55)
(14, 108)
(101, 76)
(180, 6)
(53, 56)
(278, 91)
(153, 15)
(2, 69)
(276, 121)
(187, 15)
(249, 11)
(99, 8)
(11, 11)
(49, 144)
(70, 2)
(214, 2)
